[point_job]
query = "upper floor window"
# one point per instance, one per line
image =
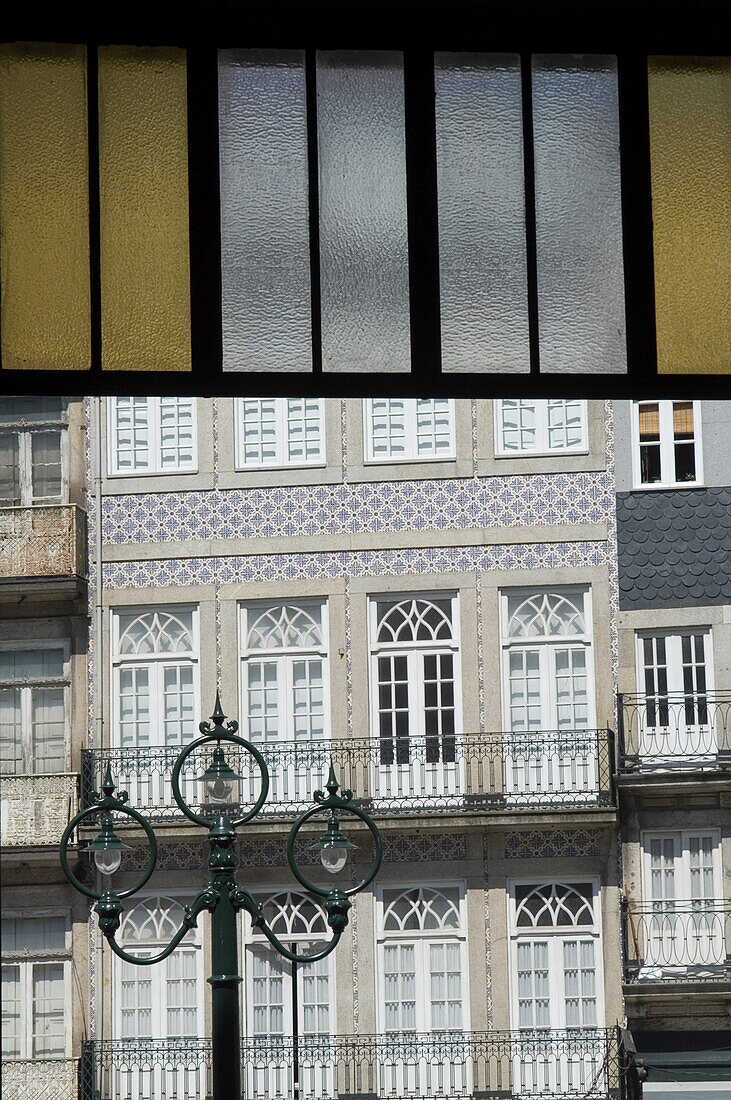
(33, 451)
(553, 426)
(666, 443)
(35, 986)
(33, 701)
(163, 1001)
(155, 676)
(547, 660)
(415, 678)
(408, 430)
(152, 435)
(295, 918)
(556, 962)
(282, 431)
(422, 960)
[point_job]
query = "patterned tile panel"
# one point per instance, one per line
(552, 843)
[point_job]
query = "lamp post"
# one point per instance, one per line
(223, 896)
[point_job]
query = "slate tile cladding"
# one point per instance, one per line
(674, 547)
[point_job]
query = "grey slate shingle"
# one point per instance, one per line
(674, 547)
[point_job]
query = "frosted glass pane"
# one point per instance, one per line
(482, 264)
(581, 324)
(690, 150)
(364, 279)
(143, 195)
(265, 257)
(44, 212)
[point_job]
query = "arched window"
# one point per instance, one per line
(415, 678)
(296, 919)
(422, 961)
(556, 955)
(155, 659)
(163, 1001)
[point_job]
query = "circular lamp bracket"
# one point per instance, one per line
(339, 808)
(207, 739)
(121, 808)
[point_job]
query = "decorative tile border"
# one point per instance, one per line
(438, 505)
(552, 844)
(417, 849)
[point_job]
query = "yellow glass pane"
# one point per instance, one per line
(143, 188)
(44, 208)
(690, 147)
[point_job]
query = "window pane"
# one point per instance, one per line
(48, 729)
(11, 751)
(9, 470)
(387, 428)
(48, 1011)
(364, 278)
(31, 663)
(433, 428)
(33, 933)
(11, 1011)
(31, 410)
(265, 247)
(258, 444)
(304, 430)
(581, 321)
(133, 435)
(177, 444)
(482, 261)
(46, 467)
(519, 425)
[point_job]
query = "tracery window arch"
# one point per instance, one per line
(548, 681)
(162, 1001)
(556, 955)
(284, 670)
(415, 678)
(155, 675)
(295, 918)
(422, 960)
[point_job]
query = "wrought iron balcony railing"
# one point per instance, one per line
(678, 940)
(478, 772)
(674, 731)
(554, 1065)
(42, 541)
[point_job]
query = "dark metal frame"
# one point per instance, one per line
(223, 896)
(605, 26)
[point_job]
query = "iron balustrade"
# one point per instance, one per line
(677, 940)
(555, 1065)
(674, 731)
(479, 772)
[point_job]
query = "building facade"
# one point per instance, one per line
(673, 496)
(425, 593)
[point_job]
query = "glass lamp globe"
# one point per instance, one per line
(333, 847)
(108, 861)
(220, 783)
(107, 848)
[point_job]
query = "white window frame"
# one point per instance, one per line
(120, 661)
(26, 960)
(281, 458)
(546, 644)
(26, 684)
(679, 742)
(285, 657)
(156, 469)
(410, 453)
(667, 457)
(681, 859)
(542, 446)
(555, 937)
(423, 936)
(158, 974)
(414, 651)
(25, 430)
(674, 657)
(252, 940)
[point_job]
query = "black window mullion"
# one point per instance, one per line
(422, 214)
(206, 317)
(637, 241)
(530, 210)
(95, 278)
(314, 207)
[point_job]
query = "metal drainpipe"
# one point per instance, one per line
(98, 662)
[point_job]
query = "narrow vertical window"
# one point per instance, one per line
(35, 979)
(265, 256)
(667, 450)
(33, 709)
(363, 227)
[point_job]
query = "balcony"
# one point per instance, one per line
(477, 773)
(35, 809)
(676, 941)
(51, 1079)
(42, 541)
(590, 1064)
(674, 732)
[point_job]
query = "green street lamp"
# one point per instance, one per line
(223, 896)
